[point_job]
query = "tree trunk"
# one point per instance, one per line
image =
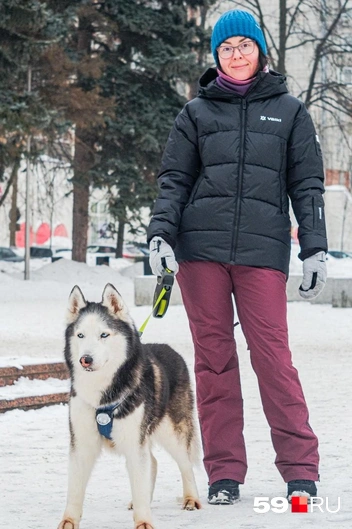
(14, 210)
(282, 38)
(80, 221)
(10, 181)
(120, 237)
(83, 161)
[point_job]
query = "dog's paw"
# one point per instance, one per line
(143, 525)
(68, 523)
(130, 506)
(190, 504)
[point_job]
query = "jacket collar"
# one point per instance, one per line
(267, 84)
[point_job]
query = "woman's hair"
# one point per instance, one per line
(263, 60)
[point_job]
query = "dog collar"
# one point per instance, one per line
(104, 418)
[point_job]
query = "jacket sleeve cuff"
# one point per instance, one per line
(164, 236)
(304, 254)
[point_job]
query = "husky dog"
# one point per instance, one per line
(124, 395)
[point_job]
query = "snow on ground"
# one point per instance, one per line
(33, 312)
(34, 444)
(27, 387)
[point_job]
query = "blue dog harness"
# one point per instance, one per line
(104, 418)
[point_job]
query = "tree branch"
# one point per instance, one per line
(319, 52)
(9, 183)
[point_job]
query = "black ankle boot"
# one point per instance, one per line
(224, 492)
(301, 487)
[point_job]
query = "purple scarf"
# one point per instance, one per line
(229, 84)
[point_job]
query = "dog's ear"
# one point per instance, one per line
(113, 301)
(76, 302)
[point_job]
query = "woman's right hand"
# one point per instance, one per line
(161, 256)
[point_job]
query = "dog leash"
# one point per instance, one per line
(164, 283)
(143, 326)
(161, 297)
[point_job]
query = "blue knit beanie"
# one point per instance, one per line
(233, 24)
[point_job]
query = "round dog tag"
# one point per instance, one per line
(103, 419)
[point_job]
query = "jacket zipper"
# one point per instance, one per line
(240, 182)
(282, 152)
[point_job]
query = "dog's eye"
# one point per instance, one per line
(80, 335)
(104, 335)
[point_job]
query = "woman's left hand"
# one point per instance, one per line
(314, 276)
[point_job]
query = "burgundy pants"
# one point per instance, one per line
(260, 297)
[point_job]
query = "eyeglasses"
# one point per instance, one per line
(245, 48)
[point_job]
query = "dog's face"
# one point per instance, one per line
(99, 330)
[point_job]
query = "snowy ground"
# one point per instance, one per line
(34, 444)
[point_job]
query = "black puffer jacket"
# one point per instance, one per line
(229, 165)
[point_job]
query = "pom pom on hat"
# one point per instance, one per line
(233, 24)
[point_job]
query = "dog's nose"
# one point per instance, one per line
(86, 360)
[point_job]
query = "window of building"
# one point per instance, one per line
(346, 75)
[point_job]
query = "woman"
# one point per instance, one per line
(234, 156)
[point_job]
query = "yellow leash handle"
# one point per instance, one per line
(143, 326)
(164, 282)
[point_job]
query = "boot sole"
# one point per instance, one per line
(222, 499)
(301, 494)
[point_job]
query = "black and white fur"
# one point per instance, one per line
(107, 364)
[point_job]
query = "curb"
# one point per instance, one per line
(31, 403)
(9, 375)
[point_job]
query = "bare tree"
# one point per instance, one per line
(317, 25)
(318, 31)
(201, 15)
(14, 211)
(9, 181)
(13, 214)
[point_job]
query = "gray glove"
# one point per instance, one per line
(314, 276)
(161, 256)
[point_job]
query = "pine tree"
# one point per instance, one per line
(26, 29)
(55, 39)
(111, 72)
(149, 56)
(72, 70)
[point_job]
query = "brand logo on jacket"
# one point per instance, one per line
(269, 118)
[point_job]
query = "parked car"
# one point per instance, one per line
(142, 247)
(131, 251)
(59, 253)
(101, 249)
(40, 252)
(339, 254)
(6, 254)
(99, 254)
